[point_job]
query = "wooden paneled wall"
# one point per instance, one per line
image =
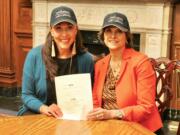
(22, 33)
(15, 39)
(7, 69)
(175, 54)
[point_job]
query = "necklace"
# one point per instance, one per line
(70, 65)
(115, 67)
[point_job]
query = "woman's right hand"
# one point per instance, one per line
(52, 110)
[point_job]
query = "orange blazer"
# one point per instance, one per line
(135, 89)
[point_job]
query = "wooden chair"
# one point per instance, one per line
(164, 69)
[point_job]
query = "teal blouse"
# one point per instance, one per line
(34, 87)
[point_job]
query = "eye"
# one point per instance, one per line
(119, 31)
(107, 30)
(70, 27)
(58, 27)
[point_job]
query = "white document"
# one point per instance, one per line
(74, 95)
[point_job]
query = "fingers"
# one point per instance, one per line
(99, 116)
(52, 110)
(96, 114)
(44, 109)
(55, 110)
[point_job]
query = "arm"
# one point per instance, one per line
(86, 64)
(91, 69)
(146, 83)
(34, 86)
(29, 90)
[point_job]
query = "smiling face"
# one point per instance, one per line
(114, 38)
(64, 34)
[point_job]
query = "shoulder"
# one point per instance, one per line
(135, 56)
(34, 61)
(85, 62)
(34, 54)
(139, 60)
(103, 60)
(36, 51)
(85, 56)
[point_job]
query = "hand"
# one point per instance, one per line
(52, 110)
(101, 114)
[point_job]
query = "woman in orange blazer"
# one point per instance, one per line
(124, 85)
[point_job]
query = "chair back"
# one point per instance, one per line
(164, 69)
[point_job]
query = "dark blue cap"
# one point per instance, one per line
(116, 19)
(62, 14)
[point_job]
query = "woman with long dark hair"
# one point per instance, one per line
(63, 53)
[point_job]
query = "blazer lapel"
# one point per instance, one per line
(103, 68)
(126, 56)
(123, 68)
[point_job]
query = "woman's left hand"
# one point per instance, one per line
(100, 114)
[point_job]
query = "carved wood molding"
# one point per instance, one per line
(7, 73)
(7, 77)
(23, 34)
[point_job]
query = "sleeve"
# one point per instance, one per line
(29, 96)
(146, 85)
(86, 65)
(95, 90)
(91, 69)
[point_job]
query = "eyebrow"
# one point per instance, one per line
(69, 24)
(111, 27)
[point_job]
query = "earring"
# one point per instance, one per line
(74, 49)
(53, 49)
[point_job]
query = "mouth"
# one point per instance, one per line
(113, 42)
(64, 40)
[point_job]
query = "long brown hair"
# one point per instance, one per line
(129, 38)
(50, 62)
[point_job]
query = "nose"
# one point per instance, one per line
(113, 34)
(64, 32)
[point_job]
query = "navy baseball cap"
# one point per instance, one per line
(62, 14)
(116, 19)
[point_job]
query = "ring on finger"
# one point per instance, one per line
(99, 116)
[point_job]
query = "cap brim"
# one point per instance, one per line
(121, 28)
(64, 20)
